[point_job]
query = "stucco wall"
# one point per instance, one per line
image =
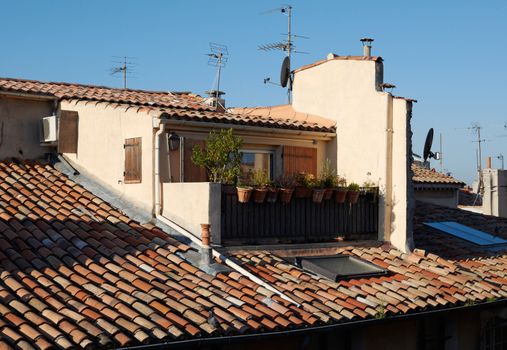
(101, 136)
(20, 127)
(445, 198)
(373, 134)
(495, 192)
(190, 204)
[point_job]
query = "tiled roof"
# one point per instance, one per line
(181, 106)
(431, 176)
(106, 94)
(284, 113)
(75, 272)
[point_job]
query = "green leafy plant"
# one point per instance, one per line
(381, 311)
(340, 181)
(305, 180)
(369, 184)
(285, 181)
(260, 178)
(353, 186)
(328, 178)
(221, 158)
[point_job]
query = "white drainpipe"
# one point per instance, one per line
(226, 260)
(156, 168)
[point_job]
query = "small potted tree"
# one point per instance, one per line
(340, 192)
(272, 195)
(260, 181)
(286, 184)
(353, 193)
(222, 159)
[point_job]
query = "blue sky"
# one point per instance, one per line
(449, 55)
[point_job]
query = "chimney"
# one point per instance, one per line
(215, 99)
(206, 255)
(366, 46)
(488, 163)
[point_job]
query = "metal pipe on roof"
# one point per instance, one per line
(156, 168)
(229, 262)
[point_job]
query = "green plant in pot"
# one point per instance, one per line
(272, 195)
(286, 183)
(304, 185)
(370, 190)
(260, 182)
(341, 190)
(221, 158)
(318, 191)
(328, 179)
(353, 193)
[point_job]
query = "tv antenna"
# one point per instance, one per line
(286, 46)
(218, 58)
(124, 67)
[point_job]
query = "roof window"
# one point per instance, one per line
(466, 233)
(338, 267)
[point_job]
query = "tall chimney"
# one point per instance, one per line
(206, 255)
(366, 46)
(488, 163)
(215, 99)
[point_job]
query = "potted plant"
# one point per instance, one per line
(244, 192)
(260, 181)
(272, 194)
(318, 192)
(328, 179)
(286, 184)
(353, 193)
(304, 185)
(370, 190)
(340, 192)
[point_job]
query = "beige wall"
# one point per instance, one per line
(20, 127)
(101, 136)
(190, 204)
(495, 192)
(373, 133)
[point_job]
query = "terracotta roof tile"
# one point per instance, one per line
(431, 176)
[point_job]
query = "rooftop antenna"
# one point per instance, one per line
(218, 58)
(124, 66)
(500, 157)
(287, 46)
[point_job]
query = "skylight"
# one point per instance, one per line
(467, 233)
(337, 267)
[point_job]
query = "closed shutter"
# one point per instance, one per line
(299, 159)
(133, 160)
(192, 172)
(68, 132)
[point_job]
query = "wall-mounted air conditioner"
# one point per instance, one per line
(49, 129)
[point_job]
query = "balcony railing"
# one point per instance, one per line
(301, 220)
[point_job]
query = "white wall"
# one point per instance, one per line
(101, 136)
(494, 201)
(446, 198)
(190, 204)
(373, 134)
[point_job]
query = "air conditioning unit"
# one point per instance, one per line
(49, 129)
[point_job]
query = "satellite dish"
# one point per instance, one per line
(427, 146)
(285, 72)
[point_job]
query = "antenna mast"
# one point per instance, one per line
(124, 67)
(218, 58)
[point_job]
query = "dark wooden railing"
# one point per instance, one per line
(301, 220)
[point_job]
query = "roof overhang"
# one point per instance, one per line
(28, 96)
(437, 186)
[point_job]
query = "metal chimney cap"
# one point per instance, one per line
(213, 93)
(367, 41)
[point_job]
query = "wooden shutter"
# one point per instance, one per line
(68, 132)
(192, 172)
(299, 159)
(133, 161)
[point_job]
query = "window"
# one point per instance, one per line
(252, 161)
(466, 233)
(133, 160)
(68, 132)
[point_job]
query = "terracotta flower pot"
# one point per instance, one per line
(318, 195)
(272, 195)
(340, 194)
(259, 194)
(303, 192)
(352, 196)
(244, 194)
(286, 195)
(328, 194)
